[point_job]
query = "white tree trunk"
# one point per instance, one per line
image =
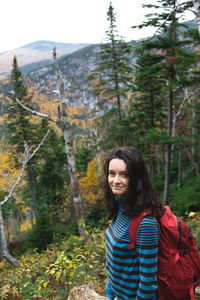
(4, 252)
(65, 126)
(4, 249)
(74, 182)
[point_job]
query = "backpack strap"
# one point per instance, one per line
(192, 294)
(133, 228)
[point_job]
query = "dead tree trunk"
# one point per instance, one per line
(4, 252)
(63, 123)
(168, 149)
(65, 126)
(4, 249)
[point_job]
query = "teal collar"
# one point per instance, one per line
(120, 201)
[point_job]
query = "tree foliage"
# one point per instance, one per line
(112, 76)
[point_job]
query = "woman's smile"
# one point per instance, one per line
(117, 176)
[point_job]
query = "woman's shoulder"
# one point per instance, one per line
(149, 222)
(148, 231)
(150, 219)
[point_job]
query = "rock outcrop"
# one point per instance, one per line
(84, 292)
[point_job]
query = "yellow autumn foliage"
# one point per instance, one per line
(8, 172)
(26, 225)
(89, 185)
(76, 114)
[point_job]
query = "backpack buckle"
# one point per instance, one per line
(184, 251)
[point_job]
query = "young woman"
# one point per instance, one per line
(128, 192)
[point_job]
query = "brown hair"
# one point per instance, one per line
(140, 195)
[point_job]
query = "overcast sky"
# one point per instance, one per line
(67, 21)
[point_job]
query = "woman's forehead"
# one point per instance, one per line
(117, 163)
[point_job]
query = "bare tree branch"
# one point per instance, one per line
(34, 112)
(165, 21)
(39, 145)
(26, 153)
(4, 248)
(26, 157)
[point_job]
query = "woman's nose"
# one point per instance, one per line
(116, 179)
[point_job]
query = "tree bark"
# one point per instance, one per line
(179, 167)
(4, 252)
(4, 249)
(32, 183)
(168, 148)
(65, 126)
(172, 74)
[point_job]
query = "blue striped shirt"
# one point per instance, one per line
(132, 276)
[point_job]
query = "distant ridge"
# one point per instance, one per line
(34, 53)
(44, 45)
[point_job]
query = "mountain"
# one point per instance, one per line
(34, 53)
(75, 68)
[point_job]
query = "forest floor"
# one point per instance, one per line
(51, 274)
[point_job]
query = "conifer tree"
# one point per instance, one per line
(113, 73)
(173, 63)
(18, 121)
(20, 127)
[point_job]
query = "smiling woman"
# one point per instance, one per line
(118, 177)
(128, 192)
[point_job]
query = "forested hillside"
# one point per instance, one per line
(59, 118)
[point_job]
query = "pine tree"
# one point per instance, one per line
(19, 126)
(53, 172)
(171, 69)
(112, 75)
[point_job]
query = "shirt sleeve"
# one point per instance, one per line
(109, 292)
(147, 252)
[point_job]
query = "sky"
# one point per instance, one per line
(67, 21)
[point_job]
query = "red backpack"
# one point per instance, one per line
(178, 257)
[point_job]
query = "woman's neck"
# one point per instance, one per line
(120, 200)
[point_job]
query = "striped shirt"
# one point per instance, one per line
(132, 276)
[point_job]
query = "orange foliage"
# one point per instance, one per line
(89, 185)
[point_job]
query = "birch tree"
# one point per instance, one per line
(26, 158)
(64, 124)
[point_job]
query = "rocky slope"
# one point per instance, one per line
(75, 68)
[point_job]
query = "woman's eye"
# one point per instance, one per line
(124, 175)
(111, 174)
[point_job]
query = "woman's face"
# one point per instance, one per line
(117, 176)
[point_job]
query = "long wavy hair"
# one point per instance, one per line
(140, 195)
